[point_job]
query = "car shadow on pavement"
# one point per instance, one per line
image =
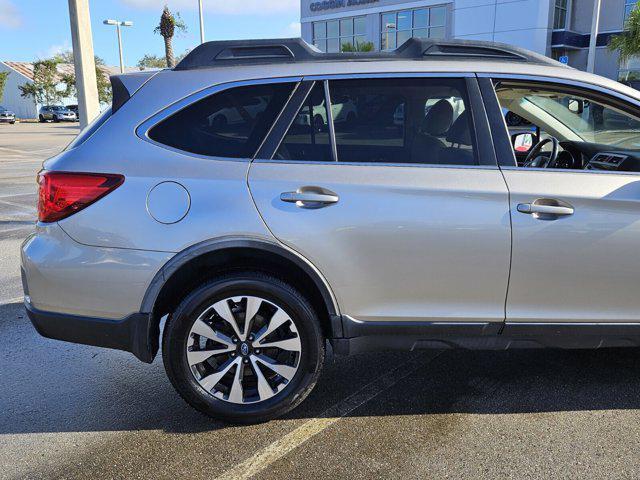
(51, 386)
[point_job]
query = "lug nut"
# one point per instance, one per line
(251, 338)
(233, 354)
(246, 360)
(257, 351)
(235, 340)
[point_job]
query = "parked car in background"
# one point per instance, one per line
(74, 109)
(7, 116)
(56, 113)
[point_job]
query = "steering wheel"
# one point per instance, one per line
(537, 160)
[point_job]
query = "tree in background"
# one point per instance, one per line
(169, 23)
(44, 88)
(627, 43)
(358, 47)
(151, 61)
(154, 61)
(3, 82)
(102, 80)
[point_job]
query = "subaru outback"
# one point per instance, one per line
(256, 241)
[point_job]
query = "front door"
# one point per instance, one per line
(403, 215)
(576, 213)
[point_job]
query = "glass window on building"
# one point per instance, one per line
(398, 27)
(335, 36)
(561, 14)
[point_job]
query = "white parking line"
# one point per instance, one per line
(11, 300)
(278, 449)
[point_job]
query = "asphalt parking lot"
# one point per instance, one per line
(70, 411)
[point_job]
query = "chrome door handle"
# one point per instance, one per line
(310, 197)
(545, 209)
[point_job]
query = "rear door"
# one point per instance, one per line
(406, 214)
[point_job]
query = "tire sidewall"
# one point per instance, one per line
(299, 310)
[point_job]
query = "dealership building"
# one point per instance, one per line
(558, 28)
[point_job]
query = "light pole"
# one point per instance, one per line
(119, 24)
(595, 27)
(83, 61)
(201, 22)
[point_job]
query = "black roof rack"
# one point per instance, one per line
(290, 50)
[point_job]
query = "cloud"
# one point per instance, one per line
(54, 50)
(293, 30)
(224, 7)
(9, 15)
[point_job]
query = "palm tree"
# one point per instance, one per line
(358, 47)
(627, 43)
(167, 28)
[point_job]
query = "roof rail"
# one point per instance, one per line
(245, 52)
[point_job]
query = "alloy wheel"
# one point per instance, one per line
(243, 349)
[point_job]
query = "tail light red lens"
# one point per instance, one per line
(61, 194)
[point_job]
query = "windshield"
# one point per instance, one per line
(58, 107)
(580, 118)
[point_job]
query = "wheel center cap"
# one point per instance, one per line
(244, 349)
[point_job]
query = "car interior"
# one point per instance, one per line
(571, 129)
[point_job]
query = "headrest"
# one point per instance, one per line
(438, 119)
(460, 132)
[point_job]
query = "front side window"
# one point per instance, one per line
(589, 130)
(230, 124)
(398, 27)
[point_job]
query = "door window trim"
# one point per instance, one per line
(482, 132)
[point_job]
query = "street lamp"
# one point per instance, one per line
(119, 24)
(201, 22)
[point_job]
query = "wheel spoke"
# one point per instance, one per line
(200, 356)
(236, 394)
(284, 371)
(277, 320)
(253, 305)
(291, 344)
(264, 389)
(204, 330)
(212, 380)
(222, 309)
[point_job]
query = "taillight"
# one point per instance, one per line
(61, 194)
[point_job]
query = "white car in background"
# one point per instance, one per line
(343, 111)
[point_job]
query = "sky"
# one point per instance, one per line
(36, 29)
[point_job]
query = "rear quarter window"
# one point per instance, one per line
(230, 124)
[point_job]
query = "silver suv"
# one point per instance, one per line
(201, 202)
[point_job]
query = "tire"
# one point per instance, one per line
(41, 119)
(56, 120)
(215, 399)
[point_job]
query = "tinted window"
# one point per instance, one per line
(403, 121)
(229, 124)
(308, 136)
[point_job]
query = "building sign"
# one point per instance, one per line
(334, 4)
(564, 59)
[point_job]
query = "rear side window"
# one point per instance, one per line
(230, 124)
(411, 120)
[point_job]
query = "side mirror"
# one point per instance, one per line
(576, 106)
(522, 142)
